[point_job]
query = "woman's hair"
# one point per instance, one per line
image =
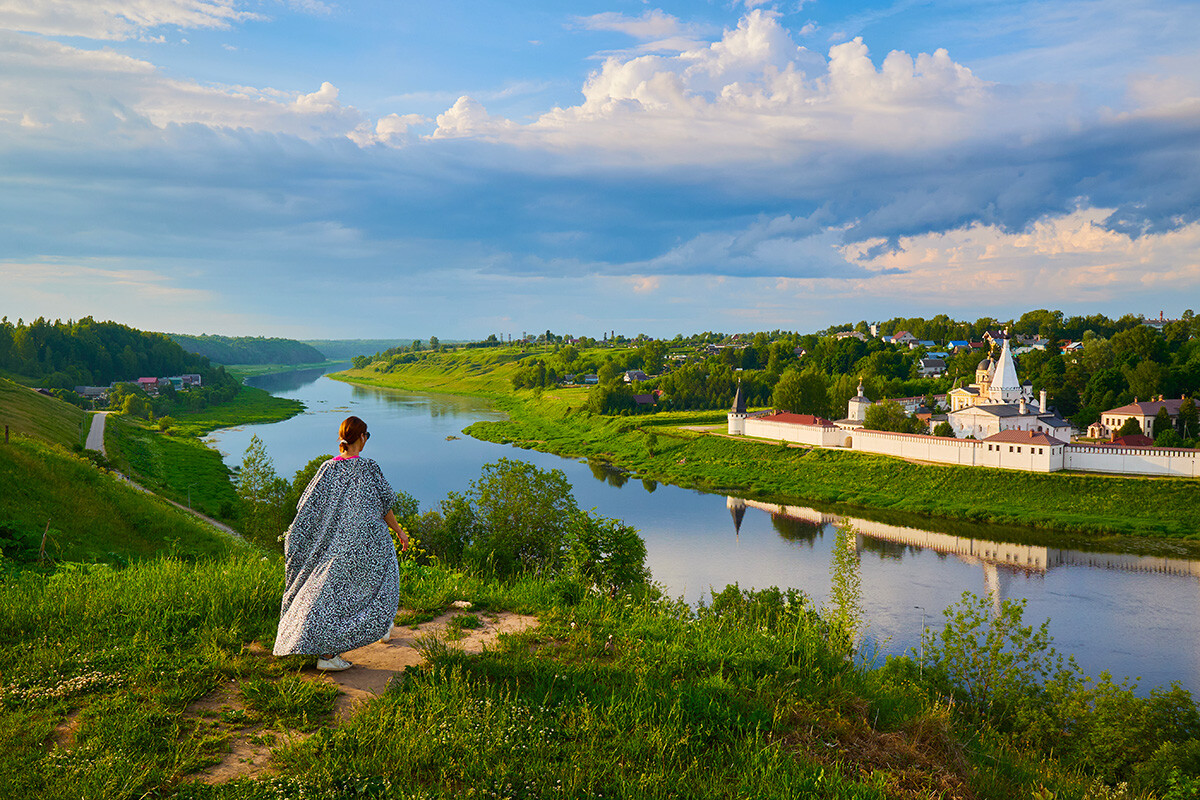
(352, 428)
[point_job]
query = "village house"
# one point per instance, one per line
(1144, 412)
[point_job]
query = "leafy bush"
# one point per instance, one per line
(1010, 676)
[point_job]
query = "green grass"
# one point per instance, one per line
(94, 516)
(241, 371)
(250, 406)
(177, 466)
(611, 698)
(26, 412)
(1126, 506)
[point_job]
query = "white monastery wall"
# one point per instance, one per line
(1134, 460)
(1026, 457)
(813, 435)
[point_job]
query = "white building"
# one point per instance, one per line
(998, 401)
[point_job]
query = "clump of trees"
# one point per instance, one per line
(514, 518)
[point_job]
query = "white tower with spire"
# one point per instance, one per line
(1005, 387)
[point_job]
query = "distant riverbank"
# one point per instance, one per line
(667, 448)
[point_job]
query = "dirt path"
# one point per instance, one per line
(375, 665)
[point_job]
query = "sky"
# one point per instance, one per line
(320, 169)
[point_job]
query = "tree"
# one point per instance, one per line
(1130, 428)
(263, 494)
(944, 429)
(802, 393)
(522, 515)
(1189, 425)
(888, 415)
(433, 343)
(608, 372)
(1162, 422)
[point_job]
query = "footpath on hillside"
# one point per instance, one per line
(95, 441)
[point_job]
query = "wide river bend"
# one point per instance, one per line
(1133, 615)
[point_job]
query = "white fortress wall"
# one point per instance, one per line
(814, 435)
(941, 449)
(1133, 460)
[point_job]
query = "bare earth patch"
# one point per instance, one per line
(250, 745)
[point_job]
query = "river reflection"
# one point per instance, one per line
(1132, 614)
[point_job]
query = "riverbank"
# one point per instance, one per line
(606, 697)
(673, 448)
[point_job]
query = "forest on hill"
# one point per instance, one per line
(249, 349)
(63, 355)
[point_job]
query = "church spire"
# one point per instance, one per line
(1005, 386)
(739, 400)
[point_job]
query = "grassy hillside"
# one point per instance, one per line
(32, 414)
(486, 372)
(93, 515)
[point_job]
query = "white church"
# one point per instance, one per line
(998, 401)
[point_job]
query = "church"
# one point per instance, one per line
(998, 401)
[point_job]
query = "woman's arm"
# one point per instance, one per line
(390, 519)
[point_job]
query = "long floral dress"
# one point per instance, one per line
(343, 584)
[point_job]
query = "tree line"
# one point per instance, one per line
(249, 349)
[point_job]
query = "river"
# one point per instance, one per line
(1133, 615)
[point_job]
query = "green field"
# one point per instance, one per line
(553, 421)
(250, 406)
(94, 516)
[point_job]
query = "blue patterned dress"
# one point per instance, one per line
(343, 584)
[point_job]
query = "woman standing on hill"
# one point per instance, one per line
(343, 584)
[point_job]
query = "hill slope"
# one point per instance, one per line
(93, 515)
(31, 414)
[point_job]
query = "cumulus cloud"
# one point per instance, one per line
(1064, 256)
(468, 118)
(755, 91)
(117, 19)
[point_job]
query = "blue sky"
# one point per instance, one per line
(314, 169)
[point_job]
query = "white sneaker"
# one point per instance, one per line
(335, 664)
(387, 637)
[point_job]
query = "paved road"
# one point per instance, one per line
(95, 441)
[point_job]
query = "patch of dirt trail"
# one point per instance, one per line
(374, 667)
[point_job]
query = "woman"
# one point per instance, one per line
(343, 584)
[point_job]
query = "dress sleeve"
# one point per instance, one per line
(380, 487)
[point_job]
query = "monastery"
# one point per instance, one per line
(996, 423)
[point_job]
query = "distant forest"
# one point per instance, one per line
(346, 349)
(249, 349)
(62, 355)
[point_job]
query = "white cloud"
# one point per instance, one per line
(390, 130)
(86, 93)
(1069, 256)
(116, 19)
(654, 24)
(755, 93)
(468, 118)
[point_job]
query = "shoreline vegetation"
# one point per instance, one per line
(673, 447)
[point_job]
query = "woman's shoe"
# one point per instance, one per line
(335, 664)
(387, 637)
